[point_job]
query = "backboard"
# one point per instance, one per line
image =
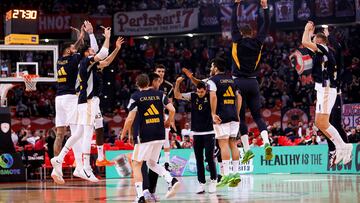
(16, 60)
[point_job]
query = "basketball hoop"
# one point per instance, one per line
(30, 81)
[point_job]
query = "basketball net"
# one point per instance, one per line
(30, 81)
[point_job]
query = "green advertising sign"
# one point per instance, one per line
(294, 159)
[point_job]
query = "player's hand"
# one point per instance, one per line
(119, 42)
(88, 27)
(179, 80)
(309, 26)
(187, 72)
(123, 137)
(216, 119)
(107, 32)
(264, 3)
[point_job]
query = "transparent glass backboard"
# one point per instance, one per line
(16, 60)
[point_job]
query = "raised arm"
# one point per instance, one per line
(104, 52)
(306, 41)
(111, 57)
(264, 27)
(235, 31)
(190, 75)
(90, 30)
(80, 36)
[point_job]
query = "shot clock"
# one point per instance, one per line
(21, 27)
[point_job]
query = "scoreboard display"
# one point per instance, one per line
(21, 27)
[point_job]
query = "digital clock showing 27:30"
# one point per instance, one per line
(21, 14)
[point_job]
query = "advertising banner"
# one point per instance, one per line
(155, 21)
(54, 23)
(294, 159)
(6, 144)
(284, 11)
(11, 168)
(209, 20)
(351, 115)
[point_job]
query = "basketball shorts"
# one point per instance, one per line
(147, 151)
(325, 98)
(89, 112)
(226, 130)
(66, 110)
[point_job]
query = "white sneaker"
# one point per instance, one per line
(87, 174)
(56, 173)
(77, 171)
(200, 189)
(212, 186)
(344, 154)
(348, 154)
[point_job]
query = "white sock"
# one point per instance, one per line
(161, 171)
(77, 149)
(139, 189)
(335, 137)
(146, 191)
(87, 161)
(226, 165)
(235, 167)
(245, 142)
(265, 136)
(167, 157)
(63, 153)
(75, 137)
(100, 151)
(86, 145)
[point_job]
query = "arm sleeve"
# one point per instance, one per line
(264, 27)
(132, 104)
(186, 96)
(235, 31)
(212, 85)
(93, 43)
(165, 100)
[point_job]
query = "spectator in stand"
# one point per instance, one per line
(186, 131)
(41, 144)
(50, 139)
(313, 140)
(174, 143)
(112, 137)
(289, 131)
(353, 137)
(14, 137)
(277, 130)
(254, 143)
(187, 144)
(300, 129)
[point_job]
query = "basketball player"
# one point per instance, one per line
(203, 131)
(88, 107)
(324, 75)
(167, 88)
(246, 54)
(225, 103)
(149, 104)
(149, 177)
(66, 98)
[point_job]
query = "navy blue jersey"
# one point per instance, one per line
(246, 52)
(149, 105)
(226, 91)
(324, 66)
(201, 119)
(88, 80)
(67, 70)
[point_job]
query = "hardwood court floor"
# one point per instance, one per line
(279, 188)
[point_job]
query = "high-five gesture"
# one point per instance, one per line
(88, 27)
(107, 32)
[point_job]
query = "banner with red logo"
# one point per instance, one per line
(54, 23)
(155, 21)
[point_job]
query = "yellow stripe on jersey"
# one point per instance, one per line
(235, 55)
(259, 57)
(154, 109)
